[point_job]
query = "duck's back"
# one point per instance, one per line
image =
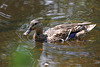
(60, 32)
(56, 33)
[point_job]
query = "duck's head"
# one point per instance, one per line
(34, 25)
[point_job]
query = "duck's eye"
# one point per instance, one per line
(34, 24)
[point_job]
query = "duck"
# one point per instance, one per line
(59, 33)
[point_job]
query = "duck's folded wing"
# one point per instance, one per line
(56, 35)
(64, 27)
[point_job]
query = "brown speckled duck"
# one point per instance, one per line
(60, 32)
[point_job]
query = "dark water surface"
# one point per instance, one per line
(17, 50)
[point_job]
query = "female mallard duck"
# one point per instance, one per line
(58, 33)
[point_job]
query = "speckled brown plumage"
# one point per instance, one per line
(59, 32)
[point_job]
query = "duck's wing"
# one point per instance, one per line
(55, 35)
(54, 30)
(60, 32)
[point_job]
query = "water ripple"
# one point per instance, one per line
(5, 15)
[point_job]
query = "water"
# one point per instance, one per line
(17, 50)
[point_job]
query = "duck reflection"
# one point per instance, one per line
(50, 55)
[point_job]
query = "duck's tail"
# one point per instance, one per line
(90, 27)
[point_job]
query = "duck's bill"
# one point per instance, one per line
(27, 32)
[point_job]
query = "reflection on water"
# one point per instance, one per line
(4, 6)
(17, 50)
(57, 55)
(5, 15)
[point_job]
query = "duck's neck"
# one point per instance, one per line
(39, 31)
(39, 36)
